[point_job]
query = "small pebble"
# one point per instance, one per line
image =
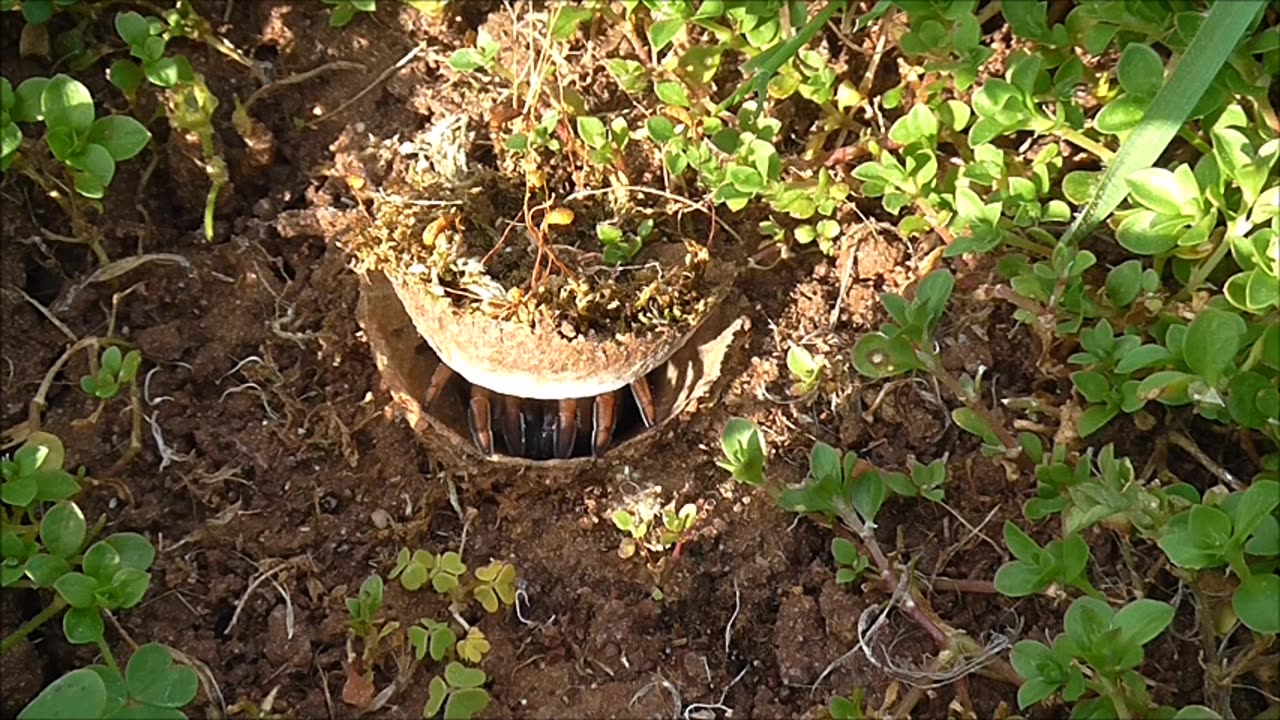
(381, 518)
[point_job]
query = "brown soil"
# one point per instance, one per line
(272, 445)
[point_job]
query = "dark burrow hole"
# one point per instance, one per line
(537, 418)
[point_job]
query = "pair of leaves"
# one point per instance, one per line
(152, 687)
(36, 474)
(460, 692)
(416, 568)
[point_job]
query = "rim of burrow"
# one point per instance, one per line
(688, 379)
(538, 361)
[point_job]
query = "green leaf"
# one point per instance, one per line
(868, 495)
(135, 550)
(96, 170)
(844, 551)
(461, 676)
(101, 561)
(1255, 603)
(1087, 620)
(878, 356)
(1020, 544)
(82, 625)
(1141, 621)
(27, 100)
(660, 128)
(62, 529)
(121, 136)
(567, 20)
(672, 93)
(1165, 192)
(44, 569)
(1211, 343)
(591, 130)
(1035, 689)
(662, 32)
(153, 678)
(78, 694)
(132, 27)
(437, 693)
(77, 589)
(1140, 70)
(66, 103)
(1021, 579)
(466, 704)
(1095, 418)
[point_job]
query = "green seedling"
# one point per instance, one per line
(837, 486)
(460, 692)
(906, 343)
(850, 564)
(1064, 562)
(86, 145)
(147, 38)
(633, 525)
(114, 574)
(344, 11)
(920, 481)
(496, 585)
(365, 607)
(621, 247)
(1106, 643)
(744, 451)
(850, 708)
(474, 646)
(805, 369)
(416, 568)
(35, 474)
(676, 524)
(152, 686)
(114, 372)
(431, 638)
(605, 144)
(484, 56)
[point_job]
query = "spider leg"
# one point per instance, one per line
(480, 418)
(644, 400)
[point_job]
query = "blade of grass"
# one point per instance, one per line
(766, 64)
(1222, 30)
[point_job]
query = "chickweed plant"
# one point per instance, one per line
(48, 546)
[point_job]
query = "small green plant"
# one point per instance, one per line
(431, 638)
(366, 606)
(473, 646)
(35, 474)
(805, 369)
(86, 145)
(925, 481)
(1095, 658)
(744, 451)
(850, 564)
(620, 247)
(495, 585)
(676, 524)
(1243, 526)
(460, 691)
(633, 525)
(151, 686)
(344, 11)
(114, 372)
(484, 56)
(850, 708)
(1035, 569)
(415, 568)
